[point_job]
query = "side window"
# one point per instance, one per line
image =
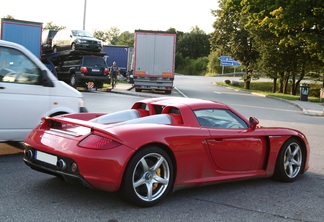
(219, 118)
(15, 67)
(69, 63)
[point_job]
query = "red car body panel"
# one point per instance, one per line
(201, 155)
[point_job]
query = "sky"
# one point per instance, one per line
(127, 15)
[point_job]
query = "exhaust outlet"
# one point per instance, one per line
(61, 165)
(29, 154)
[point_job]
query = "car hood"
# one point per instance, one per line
(88, 38)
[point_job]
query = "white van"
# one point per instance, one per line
(29, 91)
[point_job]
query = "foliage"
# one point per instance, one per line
(194, 44)
(192, 52)
(231, 37)
(188, 66)
(199, 65)
(281, 39)
(286, 29)
(109, 36)
(52, 26)
(214, 64)
(113, 37)
(126, 39)
(9, 17)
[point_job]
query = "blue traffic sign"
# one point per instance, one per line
(228, 61)
(225, 58)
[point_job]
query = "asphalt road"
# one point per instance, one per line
(27, 195)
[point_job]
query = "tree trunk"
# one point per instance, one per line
(281, 81)
(247, 79)
(286, 81)
(274, 86)
(299, 80)
(293, 86)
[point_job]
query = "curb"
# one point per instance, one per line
(305, 111)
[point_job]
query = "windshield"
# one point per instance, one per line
(81, 33)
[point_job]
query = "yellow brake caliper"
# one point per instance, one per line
(158, 172)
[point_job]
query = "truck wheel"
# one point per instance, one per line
(138, 90)
(73, 81)
(167, 91)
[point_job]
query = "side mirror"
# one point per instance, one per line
(45, 81)
(253, 122)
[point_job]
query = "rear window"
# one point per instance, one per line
(93, 61)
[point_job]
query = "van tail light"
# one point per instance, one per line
(97, 142)
(106, 71)
(84, 69)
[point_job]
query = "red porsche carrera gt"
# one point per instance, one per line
(161, 145)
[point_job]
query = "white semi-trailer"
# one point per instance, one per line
(154, 60)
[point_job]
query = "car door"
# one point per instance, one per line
(23, 100)
(237, 150)
(234, 147)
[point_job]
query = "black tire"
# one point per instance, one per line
(98, 85)
(148, 178)
(168, 92)
(73, 80)
(138, 90)
(290, 161)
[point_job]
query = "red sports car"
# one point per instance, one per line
(161, 145)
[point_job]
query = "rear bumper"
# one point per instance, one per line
(66, 176)
(81, 78)
(91, 168)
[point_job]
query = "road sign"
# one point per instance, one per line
(225, 58)
(230, 63)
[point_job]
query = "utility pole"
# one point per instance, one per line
(84, 13)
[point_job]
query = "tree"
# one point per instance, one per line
(102, 35)
(230, 37)
(9, 17)
(52, 26)
(288, 35)
(109, 36)
(194, 44)
(126, 39)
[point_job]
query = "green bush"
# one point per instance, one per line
(187, 66)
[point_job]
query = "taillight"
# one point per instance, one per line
(97, 142)
(84, 69)
(106, 71)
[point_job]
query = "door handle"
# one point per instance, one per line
(215, 140)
